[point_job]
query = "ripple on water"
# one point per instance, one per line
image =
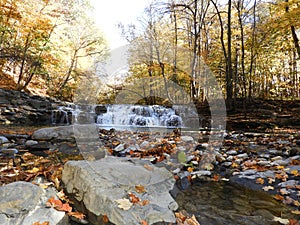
(221, 203)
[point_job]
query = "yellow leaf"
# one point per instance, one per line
(260, 181)
(33, 170)
(295, 172)
(297, 212)
(140, 189)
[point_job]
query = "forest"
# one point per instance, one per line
(250, 46)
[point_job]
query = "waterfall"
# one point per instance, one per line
(138, 115)
(118, 115)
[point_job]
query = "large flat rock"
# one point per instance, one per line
(25, 203)
(99, 184)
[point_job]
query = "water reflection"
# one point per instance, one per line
(221, 203)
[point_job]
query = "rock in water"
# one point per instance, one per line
(24, 203)
(101, 184)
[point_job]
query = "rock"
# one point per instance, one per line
(187, 139)
(3, 140)
(231, 152)
(242, 156)
(31, 142)
(99, 184)
(201, 173)
(9, 151)
(54, 133)
(24, 203)
(276, 158)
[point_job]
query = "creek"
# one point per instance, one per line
(223, 203)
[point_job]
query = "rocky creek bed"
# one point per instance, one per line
(257, 174)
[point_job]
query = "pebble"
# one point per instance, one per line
(9, 151)
(3, 140)
(187, 139)
(242, 156)
(232, 152)
(201, 173)
(119, 148)
(276, 158)
(31, 142)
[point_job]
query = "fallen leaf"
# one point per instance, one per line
(295, 172)
(297, 212)
(58, 205)
(140, 189)
(279, 197)
(268, 188)
(44, 223)
(146, 166)
(124, 203)
(293, 222)
(191, 221)
(133, 198)
(144, 222)
(281, 220)
(33, 170)
(284, 191)
(105, 219)
(260, 181)
(78, 215)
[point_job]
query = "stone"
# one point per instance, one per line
(99, 184)
(24, 203)
(31, 142)
(232, 152)
(54, 133)
(187, 139)
(3, 140)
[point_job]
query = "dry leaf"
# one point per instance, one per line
(191, 221)
(293, 222)
(78, 215)
(295, 172)
(144, 222)
(284, 191)
(267, 188)
(124, 203)
(279, 197)
(105, 219)
(260, 181)
(297, 212)
(133, 198)
(146, 166)
(281, 220)
(140, 189)
(44, 223)
(144, 202)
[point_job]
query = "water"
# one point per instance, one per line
(221, 203)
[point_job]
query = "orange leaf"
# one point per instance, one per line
(260, 181)
(133, 198)
(293, 222)
(77, 215)
(105, 219)
(144, 222)
(279, 197)
(140, 189)
(52, 202)
(44, 223)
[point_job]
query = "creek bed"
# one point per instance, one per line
(223, 203)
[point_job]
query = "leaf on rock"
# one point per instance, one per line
(260, 181)
(148, 167)
(297, 212)
(281, 220)
(279, 197)
(140, 189)
(191, 221)
(78, 215)
(133, 198)
(181, 157)
(124, 203)
(268, 188)
(43, 223)
(144, 222)
(58, 205)
(295, 173)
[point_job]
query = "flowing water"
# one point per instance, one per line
(221, 203)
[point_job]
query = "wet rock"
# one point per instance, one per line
(31, 142)
(289, 183)
(24, 203)
(54, 133)
(3, 140)
(98, 184)
(187, 139)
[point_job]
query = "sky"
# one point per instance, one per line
(108, 13)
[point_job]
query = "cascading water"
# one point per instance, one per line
(138, 115)
(118, 115)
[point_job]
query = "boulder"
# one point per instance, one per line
(101, 184)
(25, 203)
(60, 133)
